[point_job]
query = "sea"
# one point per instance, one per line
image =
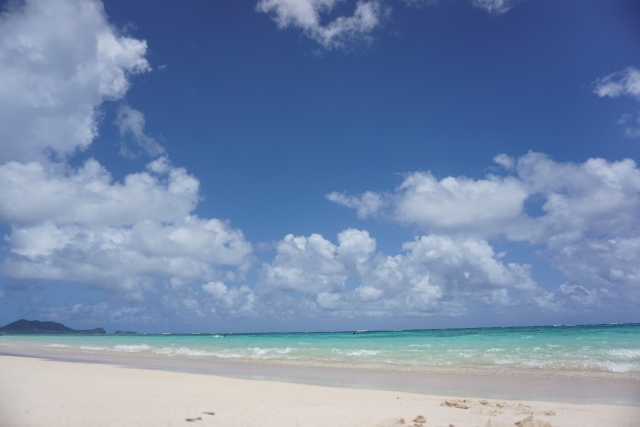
(581, 350)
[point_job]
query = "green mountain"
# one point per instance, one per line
(23, 326)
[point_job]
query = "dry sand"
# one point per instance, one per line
(35, 392)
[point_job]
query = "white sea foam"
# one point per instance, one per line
(362, 353)
(163, 350)
(188, 352)
(131, 348)
(624, 352)
(88, 347)
(229, 355)
(57, 345)
(617, 367)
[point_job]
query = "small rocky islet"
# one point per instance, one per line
(37, 327)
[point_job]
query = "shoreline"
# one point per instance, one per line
(575, 389)
(36, 392)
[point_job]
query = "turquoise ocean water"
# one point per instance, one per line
(584, 350)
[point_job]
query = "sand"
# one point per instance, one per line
(36, 392)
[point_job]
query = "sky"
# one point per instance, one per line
(310, 165)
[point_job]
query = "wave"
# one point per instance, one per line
(188, 352)
(351, 353)
(88, 347)
(131, 348)
(624, 352)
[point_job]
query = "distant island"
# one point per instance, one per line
(33, 327)
(126, 333)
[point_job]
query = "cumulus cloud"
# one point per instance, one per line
(312, 265)
(588, 225)
(114, 236)
(459, 203)
(36, 192)
(235, 300)
(307, 15)
(452, 204)
(435, 274)
(59, 60)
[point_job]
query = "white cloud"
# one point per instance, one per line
(127, 259)
(59, 60)
(588, 224)
(131, 123)
(436, 274)
(494, 6)
(481, 207)
(623, 83)
(339, 33)
(369, 204)
(229, 300)
(312, 265)
(596, 199)
(35, 192)
(459, 204)
(81, 226)
(599, 261)
(343, 32)
(575, 298)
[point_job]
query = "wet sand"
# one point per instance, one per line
(36, 392)
(605, 388)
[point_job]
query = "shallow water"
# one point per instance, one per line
(589, 350)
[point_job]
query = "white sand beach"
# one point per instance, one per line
(36, 392)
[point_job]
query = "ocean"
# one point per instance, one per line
(587, 350)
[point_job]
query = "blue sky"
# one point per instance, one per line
(319, 164)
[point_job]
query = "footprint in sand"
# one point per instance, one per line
(209, 413)
(190, 420)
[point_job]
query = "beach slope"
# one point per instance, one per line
(35, 392)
